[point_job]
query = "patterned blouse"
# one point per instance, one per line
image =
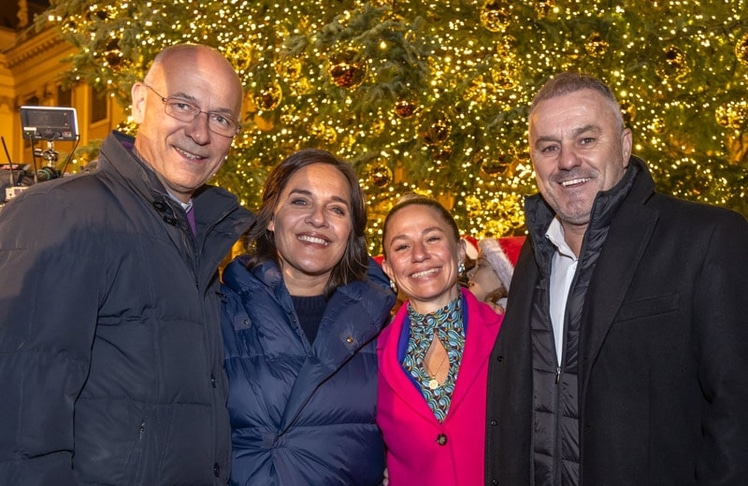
(447, 324)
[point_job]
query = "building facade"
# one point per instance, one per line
(31, 65)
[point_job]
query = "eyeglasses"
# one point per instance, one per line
(186, 111)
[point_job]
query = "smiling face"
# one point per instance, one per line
(185, 155)
(312, 223)
(422, 256)
(578, 149)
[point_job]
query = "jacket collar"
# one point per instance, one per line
(539, 214)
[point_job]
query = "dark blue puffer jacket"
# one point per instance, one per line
(301, 414)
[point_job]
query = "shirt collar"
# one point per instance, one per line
(555, 235)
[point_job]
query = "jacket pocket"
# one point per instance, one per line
(651, 306)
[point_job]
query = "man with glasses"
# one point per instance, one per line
(112, 361)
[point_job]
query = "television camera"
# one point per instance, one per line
(40, 124)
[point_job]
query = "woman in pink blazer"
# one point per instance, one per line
(433, 357)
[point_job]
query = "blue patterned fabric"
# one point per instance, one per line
(447, 325)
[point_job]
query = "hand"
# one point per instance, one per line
(497, 308)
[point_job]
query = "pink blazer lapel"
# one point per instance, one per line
(392, 371)
(483, 327)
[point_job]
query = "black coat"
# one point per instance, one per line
(112, 369)
(663, 364)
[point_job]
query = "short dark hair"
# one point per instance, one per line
(415, 199)
(260, 241)
(571, 82)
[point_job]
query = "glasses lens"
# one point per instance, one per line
(221, 125)
(181, 110)
(186, 112)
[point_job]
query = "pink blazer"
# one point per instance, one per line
(420, 450)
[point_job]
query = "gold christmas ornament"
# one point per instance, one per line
(269, 98)
(441, 154)
(497, 164)
(380, 174)
(505, 74)
(505, 48)
(239, 55)
(405, 108)
(112, 54)
(595, 45)
(494, 16)
(288, 68)
(741, 49)
(346, 69)
(435, 128)
(324, 133)
(673, 64)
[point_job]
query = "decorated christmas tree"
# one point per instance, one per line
(433, 97)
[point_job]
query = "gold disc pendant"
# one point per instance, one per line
(433, 384)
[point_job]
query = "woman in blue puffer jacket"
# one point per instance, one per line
(301, 312)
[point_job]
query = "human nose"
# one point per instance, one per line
(198, 129)
(317, 216)
(568, 157)
(469, 274)
(420, 252)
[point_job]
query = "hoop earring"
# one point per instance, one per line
(393, 286)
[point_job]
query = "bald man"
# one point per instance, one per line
(112, 361)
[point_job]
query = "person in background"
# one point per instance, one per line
(112, 362)
(623, 357)
(471, 257)
(490, 278)
(433, 357)
(302, 310)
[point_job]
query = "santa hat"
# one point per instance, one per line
(502, 255)
(471, 247)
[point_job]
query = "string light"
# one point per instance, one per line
(432, 97)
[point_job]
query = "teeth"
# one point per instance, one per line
(312, 239)
(424, 273)
(189, 155)
(574, 182)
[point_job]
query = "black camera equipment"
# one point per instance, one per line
(13, 178)
(49, 123)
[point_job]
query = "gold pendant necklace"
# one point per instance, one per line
(433, 382)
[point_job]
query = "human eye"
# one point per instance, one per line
(400, 247)
(586, 141)
(298, 201)
(548, 149)
(221, 120)
(181, 106)
(339, 210)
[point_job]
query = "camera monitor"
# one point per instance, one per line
(49, 123)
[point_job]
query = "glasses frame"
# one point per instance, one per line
(166, 99)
